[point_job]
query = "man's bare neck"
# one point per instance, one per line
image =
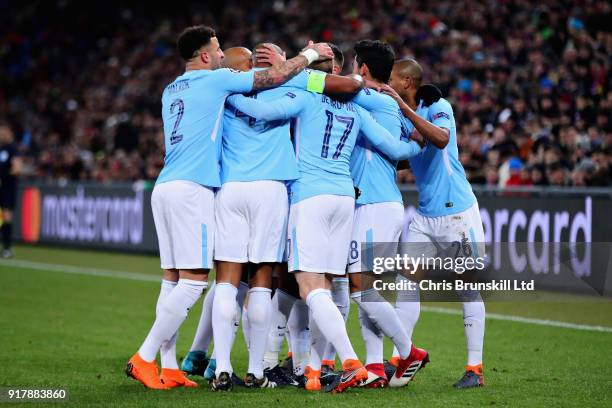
(410, 99)
(374, 80)
(194, 66)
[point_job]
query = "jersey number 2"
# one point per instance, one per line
(180, 105)
(348, 122)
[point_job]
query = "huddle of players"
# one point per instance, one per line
(260, 201)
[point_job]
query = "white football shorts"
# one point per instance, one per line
(319, 234)
(251, 220)
(456, 235)
(376, 232)
(184, 215)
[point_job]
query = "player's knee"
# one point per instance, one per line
(304, 291)
(355, 282)
(262, 278)
(171, 275)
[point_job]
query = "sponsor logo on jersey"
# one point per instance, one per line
(440, 115)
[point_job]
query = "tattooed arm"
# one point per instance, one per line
(286, 70)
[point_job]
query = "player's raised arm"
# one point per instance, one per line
(286, 70)
(318, 80)
(337, 86)
(282, 108)
(342, 85)
(383, 141)
(437, 135)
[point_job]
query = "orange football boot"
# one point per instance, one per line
(173, 377)
(353, 374)
(473, 377)
(144, 371)
(329, 363)
(313, 379)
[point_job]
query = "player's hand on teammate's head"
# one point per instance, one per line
(429, 94)
(323, 49)
(267, 54)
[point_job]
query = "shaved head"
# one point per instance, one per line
(409, 68)
(238, 58)
(406, 77)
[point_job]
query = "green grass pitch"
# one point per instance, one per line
(64, 329)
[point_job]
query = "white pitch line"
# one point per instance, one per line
(77, 270)
(521, 319)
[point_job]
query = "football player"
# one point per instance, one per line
(183, 199)
(447, 217)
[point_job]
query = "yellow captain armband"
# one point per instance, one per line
(316, 82)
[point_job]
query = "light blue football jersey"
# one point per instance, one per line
(256, 149)
(325, 134)
(440, 177)
(372, 171)
(192, 112)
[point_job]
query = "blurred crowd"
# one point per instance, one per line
(529, 81)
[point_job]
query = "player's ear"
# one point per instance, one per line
(407, 82)
(364, 70)
(204, 57)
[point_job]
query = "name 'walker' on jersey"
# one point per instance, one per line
(192, 112)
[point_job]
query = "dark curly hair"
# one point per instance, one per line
(192, 39)
(378, 56)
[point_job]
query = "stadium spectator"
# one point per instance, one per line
(526, 80)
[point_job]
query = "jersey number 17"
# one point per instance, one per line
(348, 122)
